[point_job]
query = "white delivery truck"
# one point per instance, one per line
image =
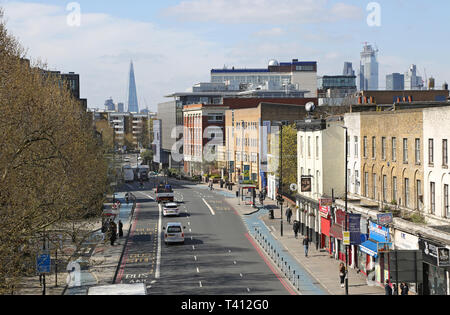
(128, 174)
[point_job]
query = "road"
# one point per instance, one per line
(218, 257)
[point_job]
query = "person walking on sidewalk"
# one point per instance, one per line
(296, 228)
(289, 215)
(306, 245)
(342, 272)
(404, 289)
(387, 288)
(113, 236)
(120, 228)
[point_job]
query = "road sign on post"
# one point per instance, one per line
(43, 262)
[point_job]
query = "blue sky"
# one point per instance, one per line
(174, 43)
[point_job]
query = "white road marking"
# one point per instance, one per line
(201, 286)
(248, 290)
(193, 247)
(241, 275)
(198, 270)
(158, 257)
(210, 209)
(195, 258)
(234, 262)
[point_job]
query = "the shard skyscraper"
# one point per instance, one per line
(133, 106)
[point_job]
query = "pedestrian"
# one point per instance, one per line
(387, 288)
(306, 245)
(296, 228)
(394, 289)
(404, 289)
(289, 215)
(127, 199)
(113, 235)
(342, 274)
(120, 228)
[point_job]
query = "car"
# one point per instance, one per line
(171, 209)
(174, 233)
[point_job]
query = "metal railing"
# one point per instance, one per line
(279, 258)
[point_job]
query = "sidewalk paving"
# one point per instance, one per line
(318, 264)
(105, 258)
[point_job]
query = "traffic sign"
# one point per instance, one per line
(43, 262)
(346, 236)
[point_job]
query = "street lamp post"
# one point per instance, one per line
(346, 208)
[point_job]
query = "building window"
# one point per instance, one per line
(405, 151)
(356, 181)
(418, 194)
(445, 152)
(374, 190)
(365, 147)
(309, 147)
(374, 147)
(356, 147)
(394, 189)
(417, 155)
(384, 188)
(348, 146)
(407, 192)
(383, 148)
(394, 149)
(317, 147)
(366, 184)
(433, 198)
(446, 202)
(430, 151)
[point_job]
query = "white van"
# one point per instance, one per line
(128, 174)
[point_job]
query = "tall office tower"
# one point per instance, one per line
(412, 80)
(120, 108)
(348, 69)
(395, 82)
(133, 106)
(368, 74)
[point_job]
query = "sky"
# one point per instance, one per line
(174, 44)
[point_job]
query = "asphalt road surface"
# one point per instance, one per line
(218, 257)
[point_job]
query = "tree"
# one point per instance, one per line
(52, 170)
(289, 157)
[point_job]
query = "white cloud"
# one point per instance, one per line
(100, 50)
(264, 11)
(276, 31)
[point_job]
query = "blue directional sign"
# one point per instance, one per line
(43, 263)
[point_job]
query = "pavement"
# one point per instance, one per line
(104, 258)
(316, 274)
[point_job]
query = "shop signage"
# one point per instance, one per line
(430, 251)
(306, 183)
(443, 257)
(378, 233)
(346, 238)
(384, 247)
(325, 207)
(354, 227)
(385, 218)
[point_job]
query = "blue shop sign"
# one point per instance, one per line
(379, 233)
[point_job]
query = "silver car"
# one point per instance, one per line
(174, 233)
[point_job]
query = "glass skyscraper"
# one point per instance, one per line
(368, 74)
(133, 106)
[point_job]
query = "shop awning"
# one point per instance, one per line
(370, 248)
(336, 231)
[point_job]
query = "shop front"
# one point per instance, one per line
(325, 224)
(376, 249)
(435, 267)
(309, 218)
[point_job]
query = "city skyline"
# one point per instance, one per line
(329, 32)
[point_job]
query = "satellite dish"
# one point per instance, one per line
(310, 107)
